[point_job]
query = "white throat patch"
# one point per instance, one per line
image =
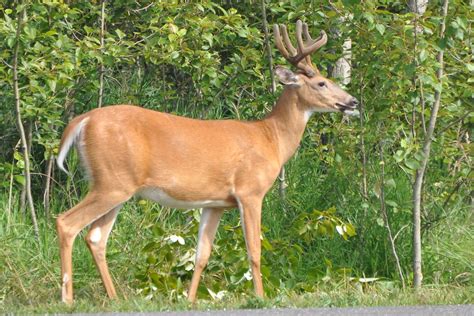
(307, 115)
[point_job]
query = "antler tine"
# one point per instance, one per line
(287, 41)
(299, 57)
(299, 39)
(310, 45)
(307, 37)
(301, 46)
(278, 42)
(320, 41)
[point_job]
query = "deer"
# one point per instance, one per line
(186, 163)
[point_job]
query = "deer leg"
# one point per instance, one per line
(251, 213)
(207, 231)
(97, 242)
(70, 223)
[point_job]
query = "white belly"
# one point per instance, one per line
(164, 199)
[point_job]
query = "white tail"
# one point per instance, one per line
(187, 163)
(68, 141)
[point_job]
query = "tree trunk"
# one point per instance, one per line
(417, 187)
(342, 68)
(418, 6)
(21, 128)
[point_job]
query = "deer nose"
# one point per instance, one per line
(354, 102)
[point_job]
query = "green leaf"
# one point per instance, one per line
(267, 245)
(321, 230)
(380, 222)
(155, 278)
(265, 270)
(209, 38)
(369, 17)
(52, 85)
(423, 55)
(119, 33)
(11, 41)
(303, 229)
(391, 203)
(173, 28)
(150, 246)
(174, 55)
(20, 179)
(331, 210)
(380, 28)
(350, 230)
(18, 156)
(390, 183)
(50, 33)
(151, 259)
(398, 156)
(412, 164)
(30, 32)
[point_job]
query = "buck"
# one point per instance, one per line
(187, 163)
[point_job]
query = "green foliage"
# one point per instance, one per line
(207, 60)
(170, 253)
(322, 223)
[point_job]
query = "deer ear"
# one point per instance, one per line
(287, 77)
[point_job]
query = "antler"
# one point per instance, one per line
(300, 57)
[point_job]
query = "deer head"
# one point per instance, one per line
(315, 92)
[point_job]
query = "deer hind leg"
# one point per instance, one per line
(70, 223)
(97, 242)
(251, 213)
(207, 231)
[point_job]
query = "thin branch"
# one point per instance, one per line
(362, 143)
(454, 122)
(10, 195)
(6, 64)
(455, 189)
(423, 106)
(47, 186)
(21, 128)
(417, 187)
(399, 231)
(383, 210)
(143, 9)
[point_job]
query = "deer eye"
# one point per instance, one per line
(322, 84)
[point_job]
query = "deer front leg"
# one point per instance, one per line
(251, 213)
(207, 231)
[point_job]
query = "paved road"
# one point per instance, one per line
(458, 310)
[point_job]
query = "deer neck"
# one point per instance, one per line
(287, 121)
